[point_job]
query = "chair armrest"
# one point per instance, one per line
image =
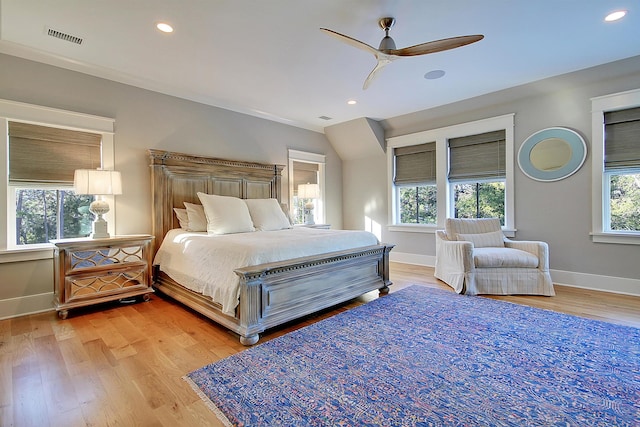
(454, 253)
(539, 249)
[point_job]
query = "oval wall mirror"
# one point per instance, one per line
(552, 154)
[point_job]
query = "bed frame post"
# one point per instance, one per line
(250, 307)
(383, 269)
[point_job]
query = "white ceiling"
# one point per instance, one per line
(268, 58)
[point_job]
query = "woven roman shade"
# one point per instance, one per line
(304, 173)
(46, 155)
(415, 164)
(622, 139)
(480, 156)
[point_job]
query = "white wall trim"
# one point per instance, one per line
(407, 258)
(595, 282)
(22, 306)
(617, 285)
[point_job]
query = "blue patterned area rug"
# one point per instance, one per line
(427, 357)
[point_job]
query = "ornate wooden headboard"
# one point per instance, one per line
(177, 178)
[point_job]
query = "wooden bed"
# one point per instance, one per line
(270, 294)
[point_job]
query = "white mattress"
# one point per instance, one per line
(205, 263)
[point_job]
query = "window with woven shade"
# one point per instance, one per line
(40, 149)
(622, 169)
(415, 183)
(42, 162)
(477, 173)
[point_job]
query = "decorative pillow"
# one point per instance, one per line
(493, 239)
(287, 213)
(267, 215)
(226, 215)
(183, 218)
(197, 219)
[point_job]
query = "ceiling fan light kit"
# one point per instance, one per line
(387, 51)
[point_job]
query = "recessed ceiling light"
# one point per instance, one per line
(164, 27)
(434, 74)
(352, 102)
(614, 16)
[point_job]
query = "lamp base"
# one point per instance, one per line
(100, 229)
(308, 214)
(99, 208)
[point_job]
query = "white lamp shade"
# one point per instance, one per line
(97, 182)
(308, 191)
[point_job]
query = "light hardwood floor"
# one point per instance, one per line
(122, 365)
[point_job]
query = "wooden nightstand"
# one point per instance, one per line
(90, 271)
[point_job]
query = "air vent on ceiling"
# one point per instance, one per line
(63, 36)
(325, 118)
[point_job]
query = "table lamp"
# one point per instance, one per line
(308, 191)
(98, 182)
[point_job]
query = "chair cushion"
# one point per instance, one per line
(483, 240)
(454, 226)
(503, 257)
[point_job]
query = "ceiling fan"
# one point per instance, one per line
(387, 51)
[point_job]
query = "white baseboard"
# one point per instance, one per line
(22, 306)
(595, 282)
(618, 285)
(406, 258)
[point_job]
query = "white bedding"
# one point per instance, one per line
(205, 263)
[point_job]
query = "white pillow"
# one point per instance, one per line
(183, 217)
(197, 219)
(493, 239)
(267, 215)
(225, 215)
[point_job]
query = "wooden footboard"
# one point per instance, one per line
(275, 293)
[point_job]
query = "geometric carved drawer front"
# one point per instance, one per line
(104, 256)
(91, 271)
(109, 282)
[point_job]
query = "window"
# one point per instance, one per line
(616, 168)
(472, 176)
(41, 148)
(477, 170)
(622, 169)
(415, 183)
(306, 168)
(42, 161)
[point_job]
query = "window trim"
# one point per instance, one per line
(319, 210)
(39, 115)
(599, 184)
(441, 135)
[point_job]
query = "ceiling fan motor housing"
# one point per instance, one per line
(387, 42)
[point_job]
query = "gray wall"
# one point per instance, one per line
(557, 212)
(145, 119)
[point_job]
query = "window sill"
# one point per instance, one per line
(631, 238)
(413, 228)
(26, 254)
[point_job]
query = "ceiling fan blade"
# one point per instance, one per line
(383, 61)
(351, 41)
(436, 46)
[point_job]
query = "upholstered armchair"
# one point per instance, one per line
(474, 257)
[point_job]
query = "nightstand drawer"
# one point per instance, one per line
(115, 280)
(79, 260)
